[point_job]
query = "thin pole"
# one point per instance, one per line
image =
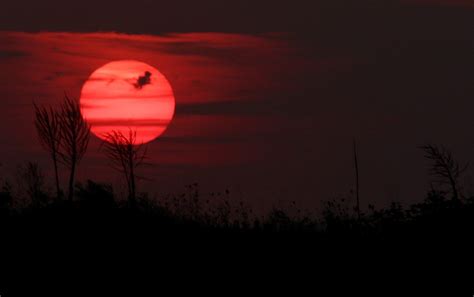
(357, 180)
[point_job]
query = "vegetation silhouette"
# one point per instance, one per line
(125, 155)
(63, 132)
(91, 205)
(75, 135)
(32, 180)
(96, 203)
(342, 237)
(47, 123)
(445, 168)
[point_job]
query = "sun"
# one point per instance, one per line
(128, 95)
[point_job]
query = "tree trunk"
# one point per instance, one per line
(357, 180)
(56, 175)
(132, 175)
(453, 187)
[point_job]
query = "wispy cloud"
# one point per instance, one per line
(8, 54)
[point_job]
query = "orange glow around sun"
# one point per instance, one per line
(128, 95)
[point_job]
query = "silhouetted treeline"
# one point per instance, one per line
(64, 134)
(338, 243)
(97, 203)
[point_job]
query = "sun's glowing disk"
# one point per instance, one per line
(128, 95)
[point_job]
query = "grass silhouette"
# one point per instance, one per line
(63, 132)
(95, 204)
(185, 232)
(345, 240)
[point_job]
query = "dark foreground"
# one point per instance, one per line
(144, 248)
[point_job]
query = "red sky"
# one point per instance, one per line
(270, 115)
(210, 74)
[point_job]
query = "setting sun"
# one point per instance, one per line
(128, 95)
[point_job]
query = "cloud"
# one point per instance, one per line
(225, 107)
(7, 54)
(129, 122)
(461, 3)
(207, 15)
(206, 139)
(294, 104)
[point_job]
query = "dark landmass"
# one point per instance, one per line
(49, 236)
(426, 245)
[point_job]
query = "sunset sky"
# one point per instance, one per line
(269, 96)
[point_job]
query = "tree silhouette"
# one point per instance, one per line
(32, 178)
(444, 167)
(75, 135)
(125, 156)
(356, 167)
(47, 123)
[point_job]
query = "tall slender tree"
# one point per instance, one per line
(75, 135)
(126, 155)
(356, 167)
(47, 123)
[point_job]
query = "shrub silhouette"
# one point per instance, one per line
(33, 181)
(95, 206)
(95, 195)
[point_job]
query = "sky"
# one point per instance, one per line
(269, 96)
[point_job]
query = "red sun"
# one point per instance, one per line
(128, 95)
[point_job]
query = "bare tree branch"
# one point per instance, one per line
(47, 123)
(125, 156)
(75, 135)
(445, 168)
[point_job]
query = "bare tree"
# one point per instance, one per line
(125, 156)
(31, 178)
(444, 167)
(75, 135)
(47, 123)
